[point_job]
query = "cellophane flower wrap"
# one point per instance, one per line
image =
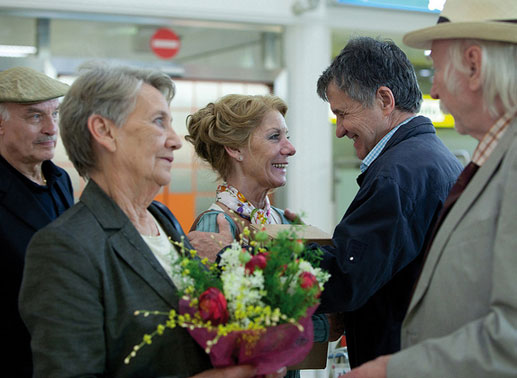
(253, 307)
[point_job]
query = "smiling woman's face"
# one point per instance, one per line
(145, 143)
(265, 161)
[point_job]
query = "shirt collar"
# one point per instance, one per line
(492, 137)
(48, 168)
(376, 151)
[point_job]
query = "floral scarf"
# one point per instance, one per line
(235, 200)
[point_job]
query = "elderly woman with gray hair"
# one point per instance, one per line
(109, 255)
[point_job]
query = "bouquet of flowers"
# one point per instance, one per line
(253, 307)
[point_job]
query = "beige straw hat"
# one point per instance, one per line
(493, 20)
(25, 85)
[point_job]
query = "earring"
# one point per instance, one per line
(240, 158)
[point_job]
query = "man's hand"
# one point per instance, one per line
(241, 371)
(373, 369)
(207, 244)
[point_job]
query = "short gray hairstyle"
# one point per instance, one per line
(364, 65)
(498, 74)
(4, 112)
(108, 91)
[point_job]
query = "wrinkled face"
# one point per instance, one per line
(30, 133)
(265, 162)
(366, 126)
(450, 101)
(145, 143)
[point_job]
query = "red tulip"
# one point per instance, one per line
(213, 306)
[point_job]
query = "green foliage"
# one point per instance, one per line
(202, 275)
(281, 274)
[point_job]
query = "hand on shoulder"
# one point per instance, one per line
(208, 244)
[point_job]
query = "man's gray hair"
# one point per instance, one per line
(107, 91)
(498, 73)
(364, 65)
(4, 113)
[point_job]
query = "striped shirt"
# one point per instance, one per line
(492, 137)
(376, 151)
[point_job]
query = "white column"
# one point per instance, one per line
(309, 183)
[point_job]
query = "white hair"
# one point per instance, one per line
(498, 73)
(4, 113)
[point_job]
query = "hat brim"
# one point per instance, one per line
(36, 100)
(491, 31)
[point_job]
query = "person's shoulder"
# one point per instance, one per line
(511, 133)
(207, 221)
(76, 217)
(74, 227)
(420, 121)
(510, 155)
(61, 170)
(418, 146)
(60, 174)
(281, 215)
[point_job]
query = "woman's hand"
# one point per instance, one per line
(208, 244)
(292, 217)
(241, 371)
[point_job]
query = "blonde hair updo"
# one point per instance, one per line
(230, 122)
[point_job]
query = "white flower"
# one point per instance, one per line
(242, 290)
(180, 280)
(230, 257)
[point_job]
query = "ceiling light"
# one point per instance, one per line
(17, 51)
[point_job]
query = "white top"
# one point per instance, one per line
(162, 248)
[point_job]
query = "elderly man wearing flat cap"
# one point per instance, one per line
(33, 192)
(462, 319)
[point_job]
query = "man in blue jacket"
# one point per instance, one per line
(33, 192)
(406, 174)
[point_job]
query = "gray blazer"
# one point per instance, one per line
(85, 275)
(462, 319)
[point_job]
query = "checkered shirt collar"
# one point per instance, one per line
(492, 137)
(376, 151)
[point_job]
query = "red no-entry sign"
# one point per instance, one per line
(165, 43)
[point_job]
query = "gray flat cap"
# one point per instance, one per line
(25, 85)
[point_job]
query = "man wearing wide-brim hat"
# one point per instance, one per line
(462, 318)
(33, 192)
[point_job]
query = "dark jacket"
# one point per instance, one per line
(85, 275)
(21, 215)
(376, 256)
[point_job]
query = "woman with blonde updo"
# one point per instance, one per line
(245, 140)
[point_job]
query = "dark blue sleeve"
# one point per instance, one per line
(375, 239)
(70, 190)
(64, 184)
